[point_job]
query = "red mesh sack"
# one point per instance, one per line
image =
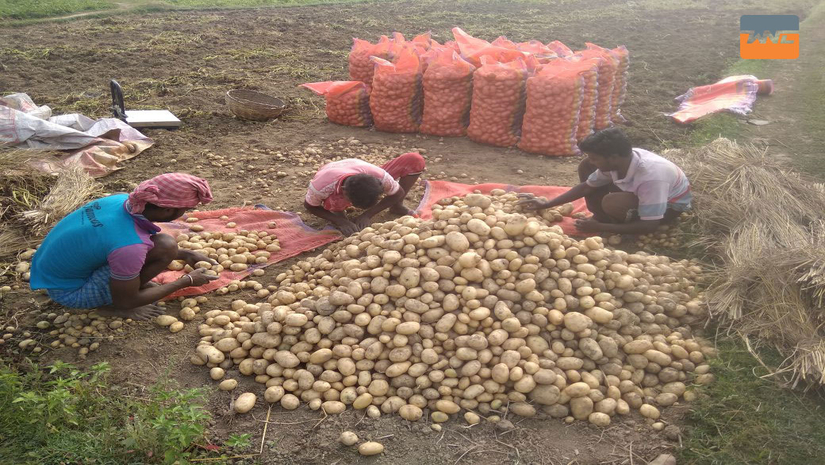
(560, 49)
(453, 45)
(607, 75)
(448, 93)
(473, 49)
(590, 95)
(347, 102)
(504, 42)
(498, 102)
(554, 97)
(423, 42)
(360, 66)
(542, 52)
(396, 97)
(621, 57)
(620, 86)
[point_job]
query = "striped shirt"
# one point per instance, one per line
(657, 182)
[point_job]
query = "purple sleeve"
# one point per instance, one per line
(126, 262)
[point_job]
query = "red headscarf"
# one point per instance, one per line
(170, 190)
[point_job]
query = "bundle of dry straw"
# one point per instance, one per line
(31, 201)
(764, 225)
(73, 188)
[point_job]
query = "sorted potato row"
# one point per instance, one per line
(478, 309)
(550, 215)
(232, 251)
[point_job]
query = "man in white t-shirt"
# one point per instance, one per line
(628, 190)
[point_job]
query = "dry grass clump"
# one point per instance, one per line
(73, 188)
(31, 201)
(763, 225)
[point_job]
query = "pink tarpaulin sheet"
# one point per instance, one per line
(294, 235)
(437, 190)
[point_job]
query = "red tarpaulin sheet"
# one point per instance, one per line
(293, 234)
(437, 190)
(735, 94)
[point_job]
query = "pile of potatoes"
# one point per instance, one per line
(482, 308)
(668, 236)
(233, 251)
(506, 202)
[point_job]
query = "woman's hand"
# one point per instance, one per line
(191, 257)
(199, 277)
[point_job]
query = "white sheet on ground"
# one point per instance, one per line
(97, 145)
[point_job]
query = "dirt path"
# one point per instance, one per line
(120, 8)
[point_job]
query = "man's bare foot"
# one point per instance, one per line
(140, 313)
(401, 210)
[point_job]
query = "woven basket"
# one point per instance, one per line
(253, 105)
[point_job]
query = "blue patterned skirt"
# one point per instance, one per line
(94, 293)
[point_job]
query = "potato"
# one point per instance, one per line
(216, 373)
(290, 402)
(599, 419)
(245, 402)
(576, 322)
(187, 314)
(581, 407)
(649, 411)
(348, 438)
(523, 409)
(439, 417)
(228, 384)
(471, 418)
(370, 448)
(165, 320)
(274, 394)
(410, 412)
(176, 326)
(457, 242)
(333, 407)
(210, 354)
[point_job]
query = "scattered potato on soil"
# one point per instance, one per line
(348, 438)
(228, 384)
(370, 448)
(165, 320)
(245, 402)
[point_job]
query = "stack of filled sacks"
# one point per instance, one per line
(542, 98)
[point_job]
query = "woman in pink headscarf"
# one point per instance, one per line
(105, 254)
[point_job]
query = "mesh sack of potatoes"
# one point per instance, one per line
(481, 308)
